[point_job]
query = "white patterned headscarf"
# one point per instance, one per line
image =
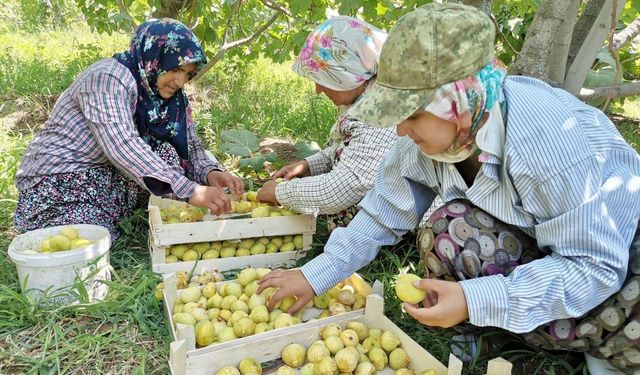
(341, 53)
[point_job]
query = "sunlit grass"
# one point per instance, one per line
(47, 61)
(266, 98)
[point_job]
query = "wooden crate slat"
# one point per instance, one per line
(275, 260)
(178, 357)
(499, 366)
(268, 348)
(455, 365)
(219, 230)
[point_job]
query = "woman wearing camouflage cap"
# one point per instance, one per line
(341, 57)
(539, 235)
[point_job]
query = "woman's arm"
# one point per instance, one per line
(348, 181)
(106, 101)
(321, 161)
(395, 205)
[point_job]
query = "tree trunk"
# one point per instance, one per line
(583, 26)
(629, 32)
(610, 92)
(536, 52)
(483, 5)
(172, 8)
(577, 71)
(560, 48)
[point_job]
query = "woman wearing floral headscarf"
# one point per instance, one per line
(122, 129)
(539, 235)
(341, 57)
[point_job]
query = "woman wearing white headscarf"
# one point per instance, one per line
(341, 57)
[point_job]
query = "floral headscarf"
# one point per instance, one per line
(341, 53)
(467, 103)
(158, 46)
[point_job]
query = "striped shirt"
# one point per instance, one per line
(339, 180)
(566, 177)
(92, 125)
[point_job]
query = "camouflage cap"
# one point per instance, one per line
(427, 48)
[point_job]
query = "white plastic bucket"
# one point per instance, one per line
(58, 274)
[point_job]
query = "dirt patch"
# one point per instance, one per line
(283, 148)
(25, 114)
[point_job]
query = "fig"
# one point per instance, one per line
(211, 254)
(346, 298)
(321, 301)
(209, 290)
(334, 344)
(389, 341)
(378, 358)
(294, 355)
(349, 337)
(326, 366)
(228, 370)
(365, 368)
(205, 333)
(250, 365)
(398, 359)
(70, 232)
(316, 352)
(346, 360)
(190, 294)
(407, 292)
(184, 318)
(332, 329)
(244, 327)
(260, 314)
(361, 329)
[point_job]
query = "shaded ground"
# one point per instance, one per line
(285, 149)
(25, 114)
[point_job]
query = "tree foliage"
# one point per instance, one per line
(220, 23)
(249, 28)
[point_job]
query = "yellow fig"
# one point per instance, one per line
(407, 292)
(70, 232)
(205, 333)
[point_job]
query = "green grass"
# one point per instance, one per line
(126, 333)
(266, 98)
(47, 61)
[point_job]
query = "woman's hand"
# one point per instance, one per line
(225, 179)
(267, 193)
(444, 305)
(288, 282)
(297, 169)
(213, 198)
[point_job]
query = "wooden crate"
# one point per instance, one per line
(267, 348)
(171, 294)
(275, 260)
(220, 230)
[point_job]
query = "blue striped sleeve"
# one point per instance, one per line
(395, 205)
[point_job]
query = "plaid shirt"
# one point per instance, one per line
(92, 125)
(342, 176)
